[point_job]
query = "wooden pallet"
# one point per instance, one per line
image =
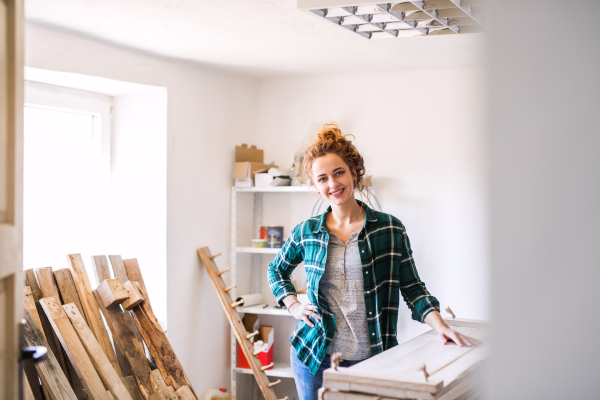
(452, 372)
(240, 332)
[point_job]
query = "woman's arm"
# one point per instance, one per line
(445, 333)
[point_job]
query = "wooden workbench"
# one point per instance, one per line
(453, 372)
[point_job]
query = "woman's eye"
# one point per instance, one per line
(340, 172)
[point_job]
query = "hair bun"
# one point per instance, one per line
(330, 133)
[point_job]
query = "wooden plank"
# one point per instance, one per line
(90, 308)
(133, 351)
(159, 346)
(66, 286)
(45, 278)
(101, 363)
(31, 281)
(101, 268)
(27, 392)
(236, 323)
(52, 376)
(102, 271)
(167, 393)
(384, 370)
(132, 388)
(185, 393)
(134, 273)
(157, 380)
(135, 296)
(436, 360)
(119, 268)
(75, 350)
(30, 305)
(48, 286)
(112, 292)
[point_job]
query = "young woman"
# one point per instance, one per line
(357, 263)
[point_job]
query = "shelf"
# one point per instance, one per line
(256, 250)
(274, 189)
(279, 370)
(261, 309)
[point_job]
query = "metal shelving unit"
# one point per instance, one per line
(280, 370)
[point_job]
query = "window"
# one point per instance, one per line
(66, 174)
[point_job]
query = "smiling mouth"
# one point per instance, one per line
(337, 193)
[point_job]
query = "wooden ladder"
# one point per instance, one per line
(243, 337)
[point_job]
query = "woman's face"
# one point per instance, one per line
(333, 179)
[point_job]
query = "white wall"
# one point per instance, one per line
(138, 206)
(421, 134)
(545, 200)
(209, 112)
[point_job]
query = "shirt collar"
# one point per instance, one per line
(321, 227)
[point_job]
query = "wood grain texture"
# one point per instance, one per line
(75, 350)
(135, 296)
(31, 281)
(90, 308)
(111, 292)
(52, 376)
(30, 305)
(27, 392)
(184, 393)
(101, 268)
(45, 278)
(159, 346)
(135, 274)
(119, 268)
(132, 349)
(102, 271)
(236, 323)
(111, 380)
(167, 393)
(132, 388)
(47, 284)
(67, 289)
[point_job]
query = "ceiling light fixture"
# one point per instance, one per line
(401, 19)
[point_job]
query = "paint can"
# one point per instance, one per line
(274, 237)
(263, 232)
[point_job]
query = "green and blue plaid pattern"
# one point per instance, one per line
(389, 270)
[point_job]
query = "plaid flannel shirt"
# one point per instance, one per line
(389, 270)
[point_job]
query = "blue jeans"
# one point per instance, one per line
(308, 384)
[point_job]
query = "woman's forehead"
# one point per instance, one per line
(328, 163)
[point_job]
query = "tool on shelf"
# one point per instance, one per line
(242, 336)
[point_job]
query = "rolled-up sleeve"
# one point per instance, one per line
(280, 269)
(413, 290)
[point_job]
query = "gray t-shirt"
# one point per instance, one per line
(342, 287)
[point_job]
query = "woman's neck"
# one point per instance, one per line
(347, 213)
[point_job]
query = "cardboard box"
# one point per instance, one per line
(248, 161)
(266, 334)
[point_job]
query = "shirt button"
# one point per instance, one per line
(372, 334)
(367, 272)
(363, 251)
(370, 313)
(368, 292)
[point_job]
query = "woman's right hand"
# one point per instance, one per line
(302, 311)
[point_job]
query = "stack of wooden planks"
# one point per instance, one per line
(419, 369)
(128, 358)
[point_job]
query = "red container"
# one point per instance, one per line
(263, 232)
(265, 358)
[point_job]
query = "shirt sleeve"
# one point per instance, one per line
(280, 269)
(413, 290)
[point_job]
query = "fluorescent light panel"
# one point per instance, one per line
(399, 19)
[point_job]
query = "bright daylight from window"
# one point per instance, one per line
(62, 197)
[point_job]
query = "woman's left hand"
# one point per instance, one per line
(448, 335)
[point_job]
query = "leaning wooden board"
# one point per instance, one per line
(394, 374)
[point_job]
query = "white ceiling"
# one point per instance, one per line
(262, 37)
